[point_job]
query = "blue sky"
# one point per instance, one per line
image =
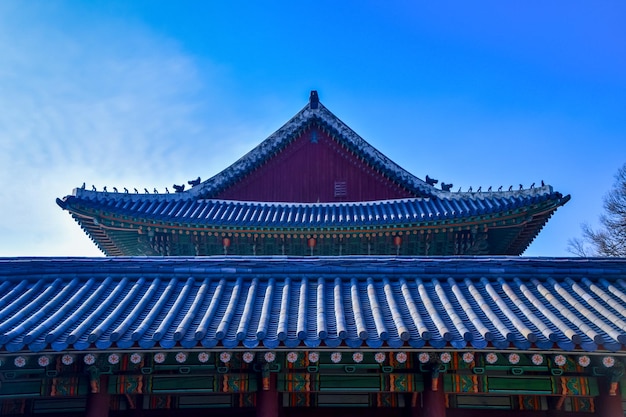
(148, 94)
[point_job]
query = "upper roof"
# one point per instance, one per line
(355, 302)
(207, 204)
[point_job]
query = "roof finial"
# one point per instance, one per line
(314, 100)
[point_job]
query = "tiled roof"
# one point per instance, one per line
(376, 302)
(184, 207)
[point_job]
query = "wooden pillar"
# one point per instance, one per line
(98, 399)
(434, 399)
(267, 397)
(414, 404)
(609, 402)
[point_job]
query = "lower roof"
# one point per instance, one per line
(115, 220)
(356, 302)
(183, 208)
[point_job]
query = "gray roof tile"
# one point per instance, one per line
(376, 302)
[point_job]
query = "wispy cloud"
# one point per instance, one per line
(126, 110)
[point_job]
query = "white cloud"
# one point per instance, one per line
(83, 105)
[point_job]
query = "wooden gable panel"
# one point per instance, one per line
(314, 168)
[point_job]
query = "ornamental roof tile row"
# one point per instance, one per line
(353, 302)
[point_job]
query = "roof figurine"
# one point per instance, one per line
(314, 187)
(195, 182)
(431, 181)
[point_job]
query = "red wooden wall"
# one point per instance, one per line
(312, 169)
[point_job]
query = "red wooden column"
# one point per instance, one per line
(98, 398)
(414, 406)
(434, 399)
(609, 402)
(267, 397)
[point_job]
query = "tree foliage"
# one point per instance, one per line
(610, 238)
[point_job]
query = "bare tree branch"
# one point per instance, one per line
(610, 239)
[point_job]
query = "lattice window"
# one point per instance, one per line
(341, 189)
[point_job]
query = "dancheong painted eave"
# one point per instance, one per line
(558, 304)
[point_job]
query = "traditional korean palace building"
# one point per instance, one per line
(314, 187)
(351, 287)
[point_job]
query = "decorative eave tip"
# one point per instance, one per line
(314, 100)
